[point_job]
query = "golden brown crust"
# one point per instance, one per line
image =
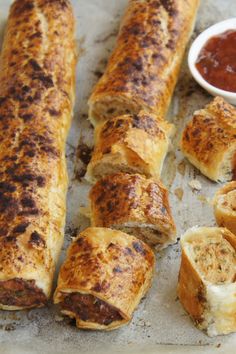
(130, 143)
(225, 206)
(207, 297)
(37, 68)
(133, 201)
(191, 290)
(209, 142)
(110, 265)
(144, 66)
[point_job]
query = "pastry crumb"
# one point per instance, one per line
(204, 199)
(59, 318)
(182, 167)
(85, 211)
(179, 193)
(195, 185)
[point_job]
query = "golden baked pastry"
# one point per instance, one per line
(136, 205)
(225, 206)
(130, 143)
(144, 66)
(209, 140)
(105, 275)
(37, 75)
(207, 278)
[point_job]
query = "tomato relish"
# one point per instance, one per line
(217, 61)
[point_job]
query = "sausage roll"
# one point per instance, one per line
(207, 278)
(105, 275)
(37, 68)
(225, 206)
(209, 140)
(136, 205)
(143, 69)
(130, 143)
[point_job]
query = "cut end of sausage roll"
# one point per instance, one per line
(225, 206)
(207, 278)
(104, 277)
(130, 143)
(16, 294)
(209, 142)
(89, 308)
(111, 106)
(144, 66)
(136, 205)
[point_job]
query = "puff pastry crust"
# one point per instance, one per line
(144, 66)
(207, 278)
(225, 206)
(37, 69)
(136, 205)
(130, 143)
(209, 141)
(113, 269)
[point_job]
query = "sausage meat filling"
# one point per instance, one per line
(216, 261)
(19, 292)
(89, 308)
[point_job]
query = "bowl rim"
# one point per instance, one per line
(197, 45)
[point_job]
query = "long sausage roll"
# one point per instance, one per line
(104, 277)
(37, 69)
(225, 206)
(143, 69)
(207, 278)
(209, 140)
(136, 205)
(130, 143)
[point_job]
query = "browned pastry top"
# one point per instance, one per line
(151, 33)
(114, 267)
(124, 198)
(209, 140)
(36, 95)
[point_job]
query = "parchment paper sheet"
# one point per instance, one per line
(160, 323)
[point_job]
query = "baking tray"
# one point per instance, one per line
(160, 324)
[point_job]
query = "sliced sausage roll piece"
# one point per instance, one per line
(105, 275)
(144, 66)
(130, 143)
(37, 74)
(207, 278)
(136, 205)
(225, 206)
(209, 140)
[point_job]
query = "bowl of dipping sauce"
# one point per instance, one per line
(212, 60)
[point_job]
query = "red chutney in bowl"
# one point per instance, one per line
(217, 61)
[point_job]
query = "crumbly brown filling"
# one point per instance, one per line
(21, 293)
(216, 261)
(152, 237)
(89, 308)
(113, 107)
(231, 200)
(102, 169)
